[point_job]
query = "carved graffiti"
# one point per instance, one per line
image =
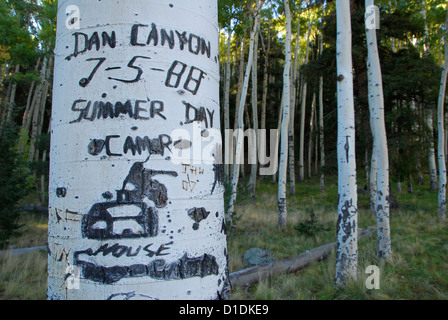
(135, 145)
(183, 268)
(129, 216)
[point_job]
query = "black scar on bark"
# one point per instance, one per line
(138, 185)
(145, 186)
(219, 176)
(61, 192)
(343, 220)
(183, 268)
(198, 214)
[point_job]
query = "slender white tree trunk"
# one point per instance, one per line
(37, 104)
(380, 137)
(238, 99)
(254, 96)
(310, 140)
(321, 126)
(136, 197)
(12, 97)
(279, 128)
(302, 112)
(240, 137)
(441, 142)
(265, 83)
(282, 178)
(374, 156)
(26, 113)
(347, 223)
(291, 129)
(266, 49)
(431, 151)
(227, 96)
(302, 133)
(429, 120)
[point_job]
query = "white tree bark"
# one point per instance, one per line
(227, 96)
(302, 112)
(26, 113)
(321, 125)
(264, 96)
(282, 178)
(291, 129)
(380, 137)
(240, 137)
(431, 151)
(441, 131)
(266, 49)
(12, 97)
(347, 223)
(254, 96)
(374, 156)
(429, 120)
(310, 140)
(37, 104)
(136, 197)
(238, 98)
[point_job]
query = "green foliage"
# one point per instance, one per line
(15, 180)
(311, 226)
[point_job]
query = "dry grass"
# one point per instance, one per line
(24, 277)
(417, 269)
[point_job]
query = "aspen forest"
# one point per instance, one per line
(223, 150)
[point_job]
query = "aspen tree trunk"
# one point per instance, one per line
(37, 104)
(380, 137)
(310, 140)
(321, 125)
(43, 104)
(136, 192)
(266, 49)
(291, 130)
(240, 80)
(441, 131)
(29, 116)
(238, 99)
(240, 137)
(347, 223)
(12, 97)
(254, 96)
(429, 120)
(282, 179)
(226, 98)
(431, 152)
(26, 113)
(302, 112)
(446, 137)
(265, 81)
(374, 156)
(279, 128)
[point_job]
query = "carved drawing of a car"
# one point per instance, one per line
(114, 220)
(129, 216)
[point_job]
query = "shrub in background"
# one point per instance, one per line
(15, 179)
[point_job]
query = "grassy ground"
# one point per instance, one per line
(25, 276)
(417, 269)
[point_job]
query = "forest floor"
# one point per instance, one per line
(417, 270)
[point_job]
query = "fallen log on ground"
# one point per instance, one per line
(40, 210)
(253, 275)
(16, 252)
